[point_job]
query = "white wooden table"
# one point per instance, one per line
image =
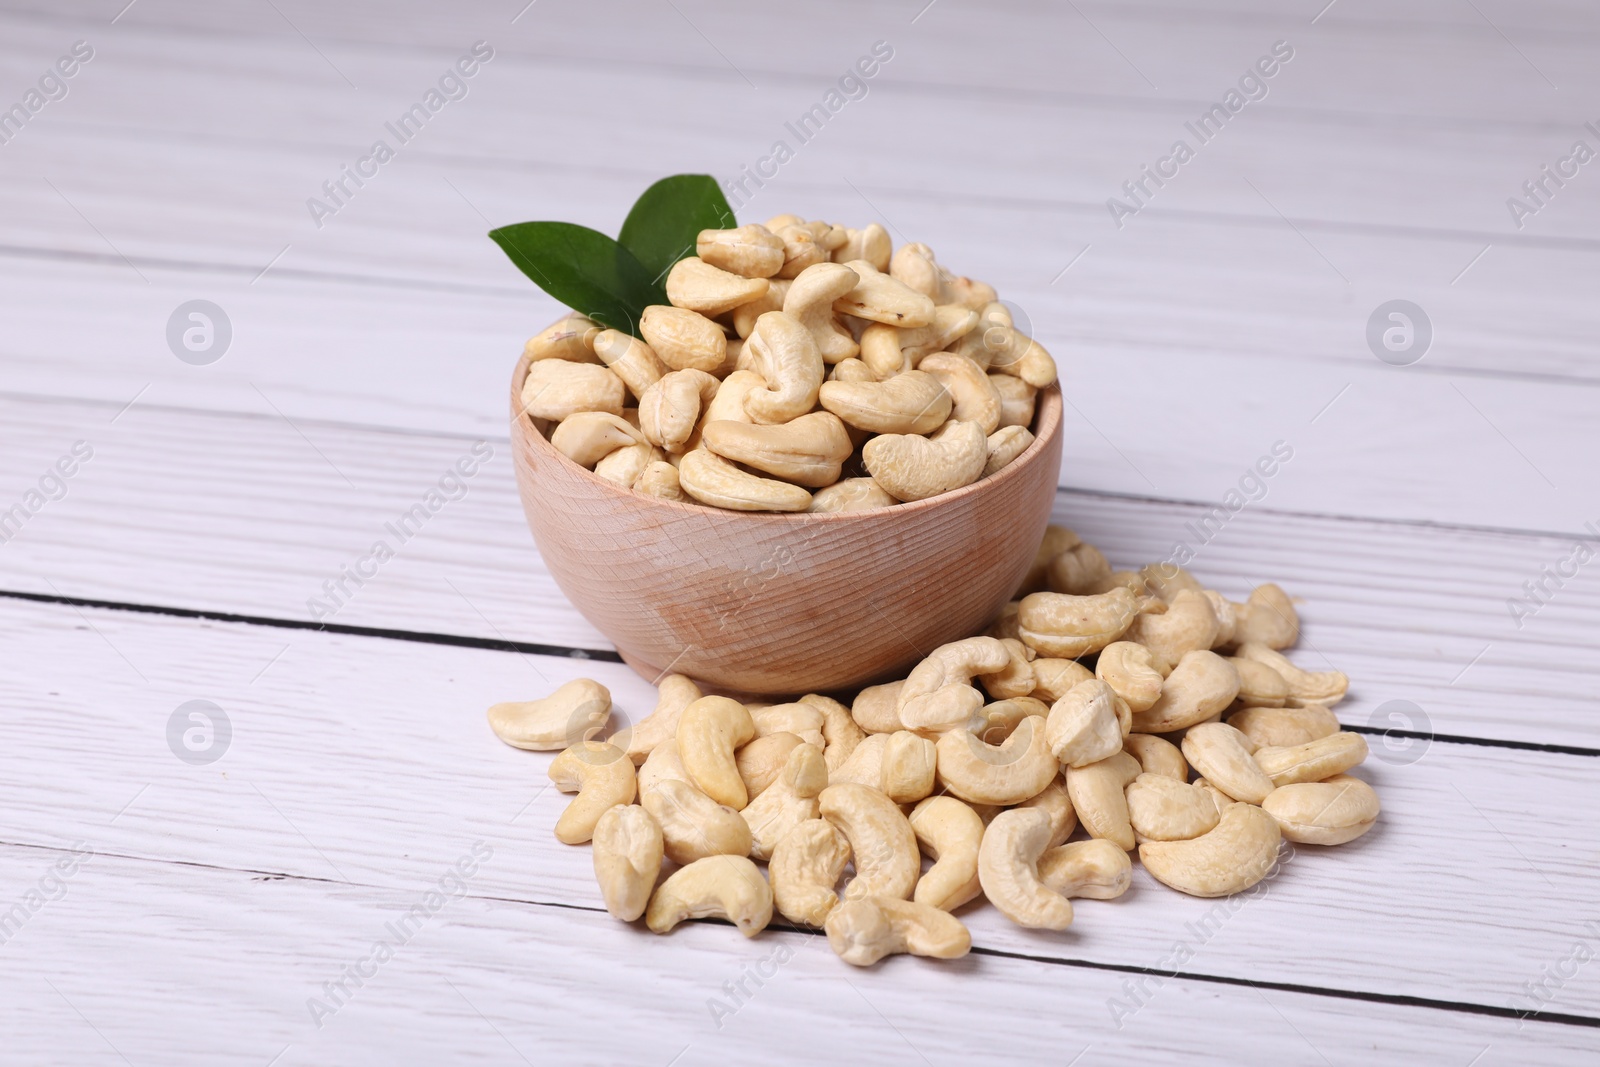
(160, 911)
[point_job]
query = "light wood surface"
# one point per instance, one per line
(369, 355)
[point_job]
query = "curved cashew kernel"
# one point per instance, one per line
(555, 389)
(969, 293)
(711, 479)
(788, 361)
(1081, 570)
(1157, 755)
(1222, 800)
(1187, 625)
(1008, 869)
(1056, 540)
(1313, 761)
(587, 437)
(913, 265)
(1016, 399)
(670, 407)
(810, 303)
(570, 337)
(999, 719)
(801, 249)
(659, 479)
(993, 335)
(709, 731)
(696, 285)
(1085, 725)
(829, 236)
(761, 761)
(882, 353)
(973, 399)
(938, 694)
(629, 359)
(906, 773)
(1094, 869)
(627, 859)
(1098, 798)
(1284, 727)
(1004, 446)
(1024, 357)
(1057, 677)
(1008, 773)
(1200, 686)
(865, 930)
(1062, 625)
(885, 849)
(852, 494)
(870, 243)
(1323, 813)
(570, 714)
(1016, 678)
(719, 887)
(1127, 668)
(806, 865)
(949, 833)
(1222, 754)
(851, 370)
(913, 402)
(693, 825)
(1054, 802)
(1236, 855)
(909, 467)
(1165, 809)
(877, 708)
(790, 801)
(728, 404)
(625, 465)
(799, 718)
(602, 775)
(1305, 687)
(662, 765)
(1227, 613)
(1259, 685)
(673, 694)
(808, 450)
(750, 251)
(683, 340)
(880, 298)
(839, 731)
(950, 323)
(864, 765)
(1268, 618)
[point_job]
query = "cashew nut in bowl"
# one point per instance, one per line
(881, 840)
(629, 359)
(709, 731)
(807, 451)
(972, 396)
(1329, 812)
(717, 887)
(693, 825)
(626, 465)
(590, 436)
(851, 494)
(1238, 853)
(1008, 773)
(1008, 870)
(913, 265)
(949, 833)
(864, 930)
(1098, 798)
(1016, 399)
(1093, 869)
(939, 695)
(1059, 624)
(870, 243)
(683, 340)
(1004, 446)
(950, 323)
(810, 303)
(572, 713)
(880, 298)
(801, 250)
(627, 859)
(670, 407)
(602, 775)
(711, 479)
(555, 389)
(913, 402)
(806, 865)
(745, 315)
(750, 251)
(788, 361)
(791, 800)
(695, 285)
(570, 337)
(910, 467)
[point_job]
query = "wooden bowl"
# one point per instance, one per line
(784, 604)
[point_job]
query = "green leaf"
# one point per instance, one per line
(584, 269)
(665, 220)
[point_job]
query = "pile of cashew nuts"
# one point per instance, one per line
(985, 760)
(800, 366)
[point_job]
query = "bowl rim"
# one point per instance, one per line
(1047, 416)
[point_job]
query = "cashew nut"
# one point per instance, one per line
(1007, 773)
(1128, 669)
(1222, 754)
(864, 930)
(851, 494)
(791, 800)
(884, 846)
(1081, 570)
(881, 298)
(683, 340)
(1054, 802)
(673, 694)
(1016, 399)
(662, 765)
(950, 323)
(906, 772)
(1305, 687)
(806, 865)
(1022, 356)
(626, 465)
(1268, 618)
(1087, 725)
(972, 397)
(1284, 727)
(800, 717)
(1098, 798)
(728, 404)
(788, 361)
(570, 337)
(1055, 678)
(882, 352)
(913, 265)
(807, 451)
(1008, 870)
(1187, 625)
(629, 359)
(913, 402)
(750, 251)
(709, 731)
(708, 477)
(1157, 755)
(1323, 813)
(1200, 686)
(851, 370)
(761, 761)
(909, 467)
(999, 719)
(1016, 678)
(1094, 869)
(864, 766)
(939, 695)
(949, 833)
(1259, 685)
(1062, 625)
(627, 859)
(693, 825)
(659, 479)
(1238, 853)
(745, 315)
(1313, 761)
(670, 407)
(716, 887)
(839, 731)
(1165, 809)
(602, 775)
(810, 303)
(587, 437)
(800, 250)
(1004, 446)
(870, 243)
(573, 712)
(876, 708)
(695, 285)
(556, 388)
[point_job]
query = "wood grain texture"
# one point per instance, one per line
(784, 604)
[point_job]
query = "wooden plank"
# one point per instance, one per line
(216, 513)
(208, 971)
(369, 762)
